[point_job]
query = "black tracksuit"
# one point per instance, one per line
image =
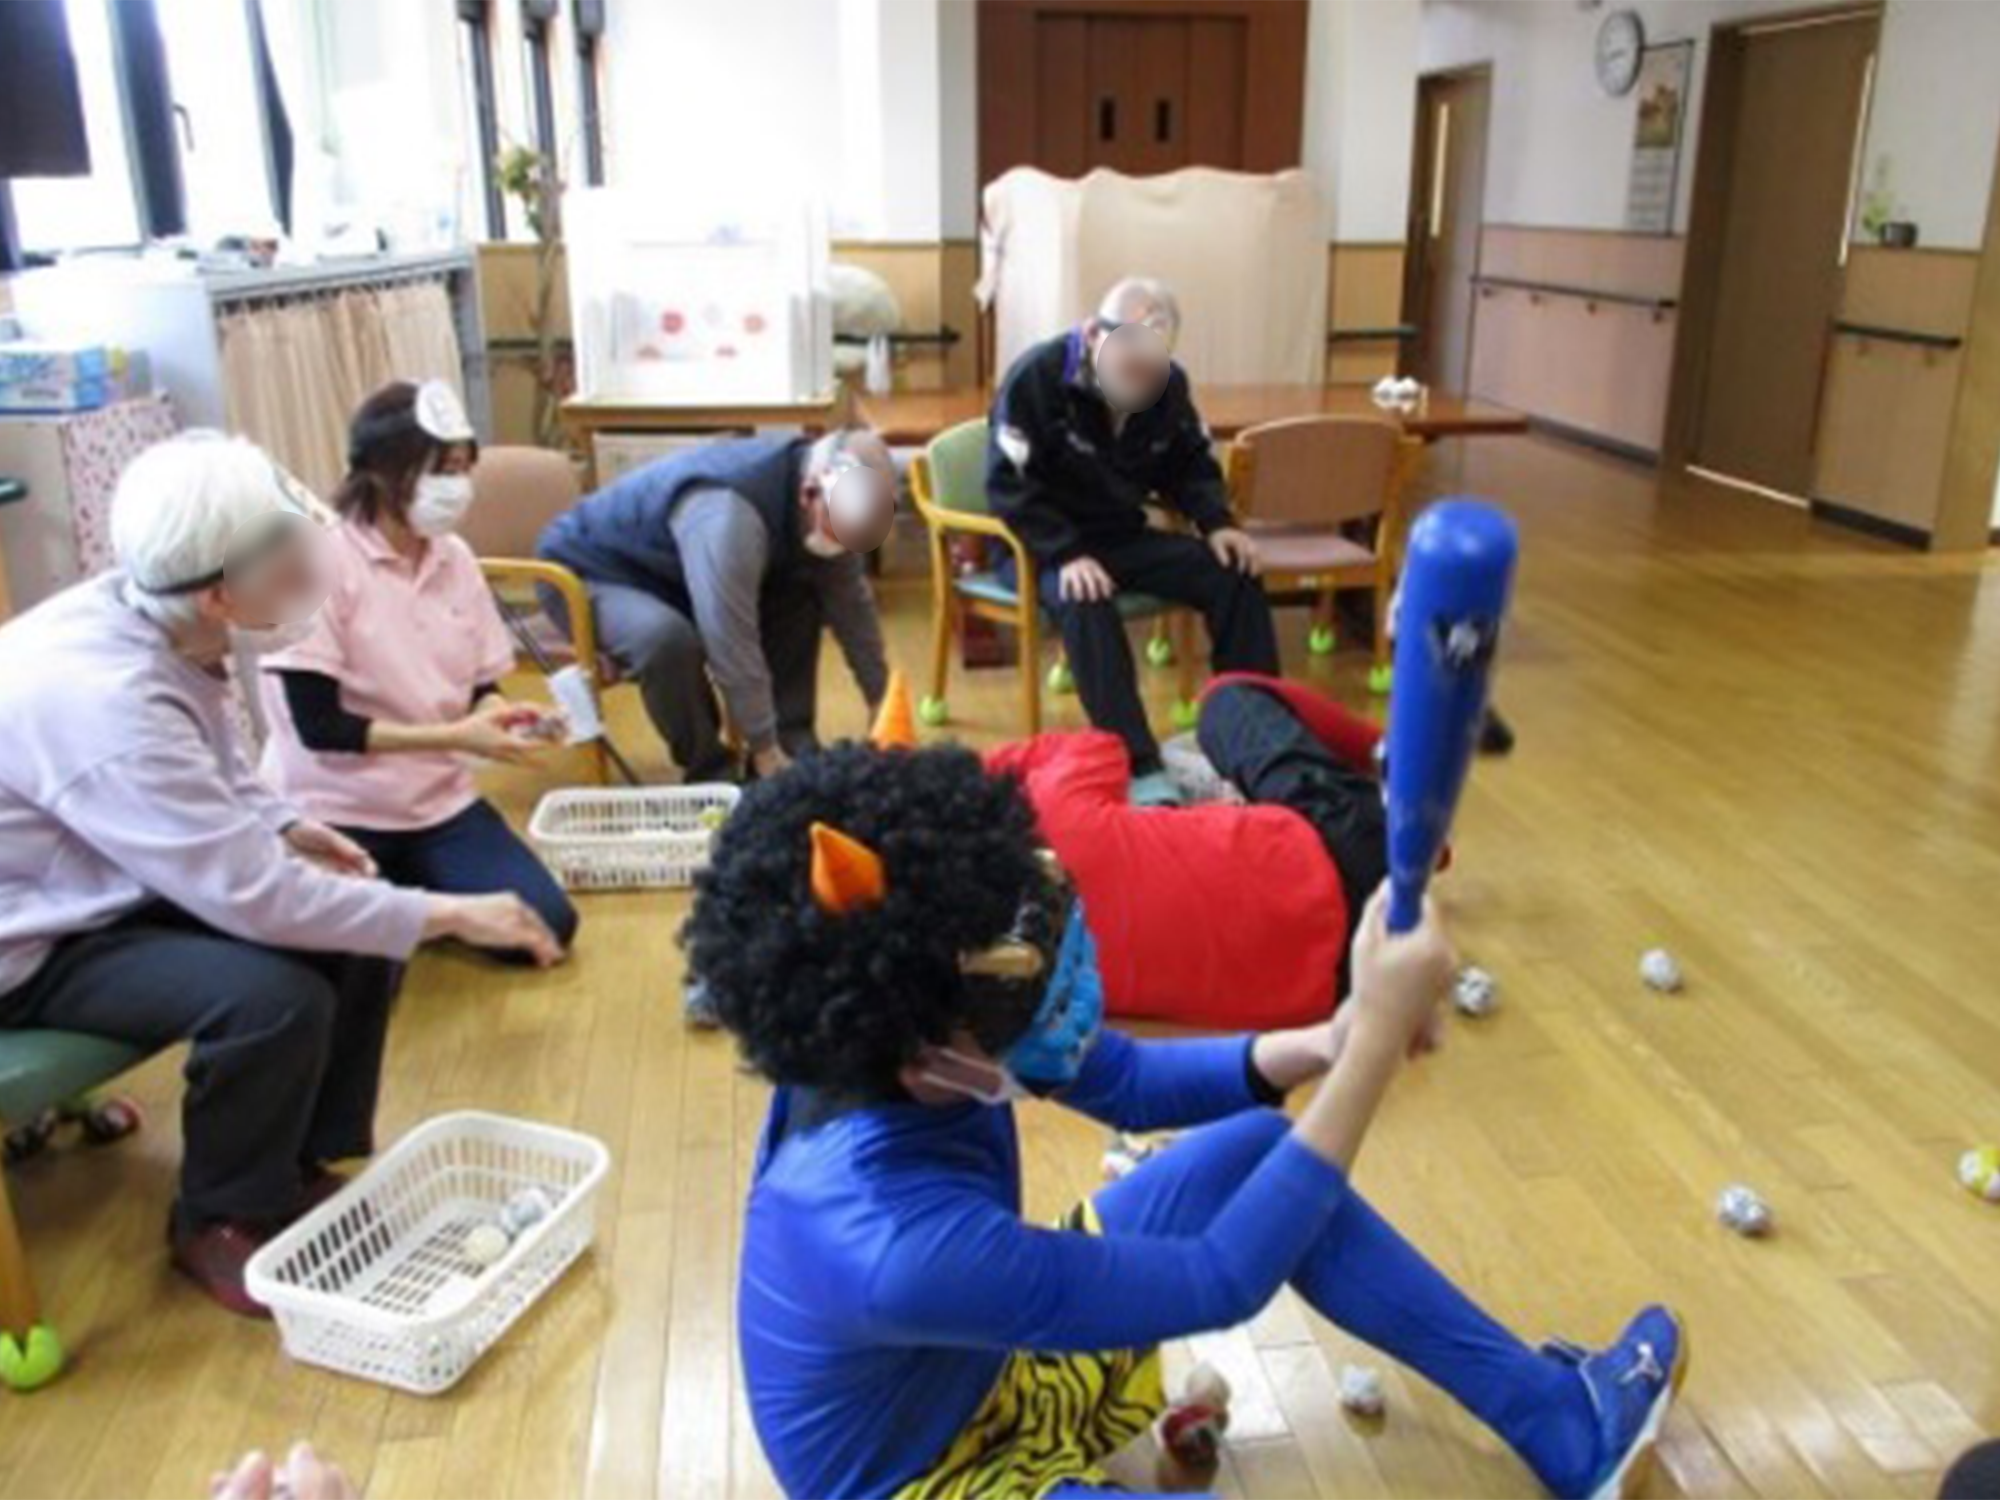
(1070, 487)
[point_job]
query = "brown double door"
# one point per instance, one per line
(1138, 94)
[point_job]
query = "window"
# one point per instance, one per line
(99, 210)
(536, 17)
(217, 106)
(475, 40)
(589, 27)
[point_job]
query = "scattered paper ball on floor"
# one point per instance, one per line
(1744, 1210)
(485, 1244)
(1660, 972)
(1361, 1391)
(1477, 992)
(1979, 1172)
(525, 1209)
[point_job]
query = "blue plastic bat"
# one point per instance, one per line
(1457, 573)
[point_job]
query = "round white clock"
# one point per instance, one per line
(1621, 40)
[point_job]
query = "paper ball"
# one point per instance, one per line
(485, 1244)
(1361, 1391)
(1658, 969)
(1742, 1209)
(1979, 1171)
(524, 1210)
(1476, 993)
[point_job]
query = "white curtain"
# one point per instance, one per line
(293, 372)
(1244, 253)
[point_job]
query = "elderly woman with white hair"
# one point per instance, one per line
(154, 891)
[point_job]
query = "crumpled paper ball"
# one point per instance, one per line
(1979, 1172)
(1744, 1210)
(1476, 992)
(1126, 1152)
(485, 1244)
(1361, 1390)
(1660, 972)
(524, 1210)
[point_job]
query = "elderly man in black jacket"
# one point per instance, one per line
(1087, 429)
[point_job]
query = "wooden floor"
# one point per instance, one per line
(1771, 747)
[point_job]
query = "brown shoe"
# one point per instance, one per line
(213, 1258)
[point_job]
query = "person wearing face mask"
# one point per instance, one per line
(154, 890)
(881, 934)
(1088, 429)
(720, 565)
(380, 712)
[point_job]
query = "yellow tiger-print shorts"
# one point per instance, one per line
(1050, 1419)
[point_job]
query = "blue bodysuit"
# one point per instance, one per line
(888, 1274)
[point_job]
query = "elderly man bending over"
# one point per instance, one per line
(152, 890)
(1087, 429)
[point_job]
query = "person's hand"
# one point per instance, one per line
(1234, 549)
(486, 732)
(330, 849)
(1400, 980)
(1083, 580)
(535, 721)
(305, 1476)
(499, 920)
(769, 761)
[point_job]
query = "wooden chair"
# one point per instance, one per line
(1301, 487)
(521, 490)
(948, 483)
(40, 1071)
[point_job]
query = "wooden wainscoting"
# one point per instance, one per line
(1892, 376)
(1364, 290)
(933, 283)
(1576, 327)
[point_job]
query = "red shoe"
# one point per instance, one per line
(213, 1258)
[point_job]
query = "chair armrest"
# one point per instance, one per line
(971, 522)
(575, 598)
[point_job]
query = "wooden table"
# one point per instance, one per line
(916, 417)
(586, 417)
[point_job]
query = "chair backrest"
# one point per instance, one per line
(517, 492)
(956, 459)
(1317, 470)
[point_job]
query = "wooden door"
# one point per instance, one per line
(1140, 86)
(1788, 176)
(1447, 212)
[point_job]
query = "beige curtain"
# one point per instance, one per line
(293, 372)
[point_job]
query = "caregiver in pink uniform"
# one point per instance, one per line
(378, 714)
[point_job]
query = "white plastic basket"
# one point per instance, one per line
(629, 838)
(375, 1281)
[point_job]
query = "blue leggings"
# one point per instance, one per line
(1368, 1280)
(471, 854)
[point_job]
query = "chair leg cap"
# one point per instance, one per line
(1322, 640)
(932, 712)
(1160, 651)
(31, 1364)
(1380, 679)
(1187, 714)
(1061, 679)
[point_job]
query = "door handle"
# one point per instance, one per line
(1163, 121)
(1107, 119)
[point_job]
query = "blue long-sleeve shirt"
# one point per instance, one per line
(888, 1273)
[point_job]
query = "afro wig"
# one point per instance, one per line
(844, 1002)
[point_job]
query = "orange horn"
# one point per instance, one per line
(846, 874)
(895, 722)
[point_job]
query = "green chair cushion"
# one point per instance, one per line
(39, 1069)
(958, 468)
(988, 585)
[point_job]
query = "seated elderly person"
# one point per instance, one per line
(1088, 428)
(724, 562)
(153, 891)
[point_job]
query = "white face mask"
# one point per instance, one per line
(265, 640)
(982, 1082)
(440, 503)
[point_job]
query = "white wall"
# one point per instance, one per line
(1361, 82)
(1559, 150)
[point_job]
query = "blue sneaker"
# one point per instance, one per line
(1631, 1385)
